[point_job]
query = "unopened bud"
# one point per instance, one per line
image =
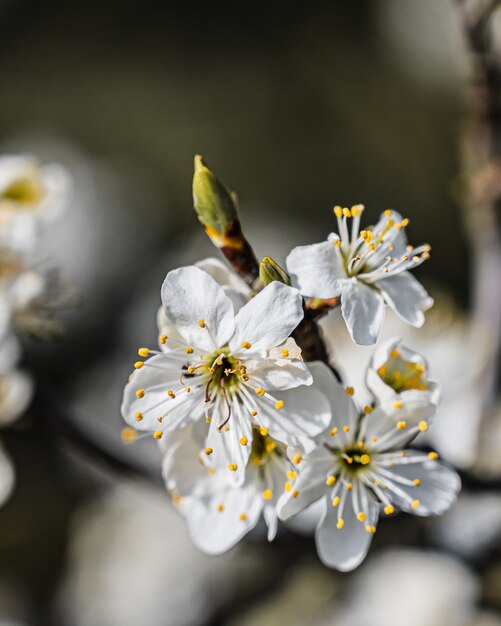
(269, 271)
(214, 204)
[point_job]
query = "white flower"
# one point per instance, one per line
(218, 513)
(365, 269)
(360, 466)
(398, 373)
(234, 371)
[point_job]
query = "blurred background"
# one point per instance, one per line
(377, 101)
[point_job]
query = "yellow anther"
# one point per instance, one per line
(191, 369)
(267, 494)
(389, 510)
(333, 432)
(425, 256)
(187, 389)
(297, 459)
(220, 507)
(138, 416)
(188, 350)
(356, 209)
(403, 453)
(201, 323)
(346, 429)
(143, 352)
(163, 339)
(287, 486)
(398, 404)
(219, 362)
(336, 501)
(337, 243)
(279, 405)
(140, 393)
(260, 392)
(349, 391)
(270, 446)
(370, 529)
(365, 459)
(295, 493)
(423, 426)
(285, 353)
(330, 481)
(208, 420)
(416, 482)
(374, 439)
(361, 445)
(388, 213)
(340, 523)
(433, 456)
(402, 425)
(233, 467)
(405, 222)
(171, 394)
(377, 482)
(415, 504)
(338, 211)
(244, 441)
(382, 370)
(346, 212)
(128, 435)
(361, 517)
(253, 413)
(367, 409)
(395, 354)
(158, 434)
(292, 475)
(246, 345)
(208, 451)
(349, 486)
(242, 517)
(264, 431)
(160, 419)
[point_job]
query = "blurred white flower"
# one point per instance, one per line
(409, 587)
(365, 270)
(361, 465)
(228, 371)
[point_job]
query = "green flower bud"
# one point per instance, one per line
(214, 204)
(269, 271)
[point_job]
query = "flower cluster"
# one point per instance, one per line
(248, 428)
(31, 196)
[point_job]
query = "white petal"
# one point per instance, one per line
(156, 402)
(310, 484)
(344, 412)
(7, 476)
(190, 295)
(363, 312)
(234, 287)
(280, 374)
(226, 444)
(438, 489)
(306, 413)
(269, 318)
(406, 296)
(345, 548)
(215, 532)
(181, 469)
(315, 270)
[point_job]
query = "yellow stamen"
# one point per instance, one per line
(292, 475)
(423, 426)
(415, 504)
(398, 404)
(233, 467)
(158, 434)
(279, 405)
(295, 493)
(143, 352)
(365, 459)
(340, 523)
(336, 501)
(138, 416)
(361, 516)
(244, 441)
(287, 486)
(201, 323)
(140, 393)
(297, 459)
(370, 529)
(246, 345)
(163, 339)
(367, 409)
(349, 486)
(263, 431)
(270, 446)
(333, 432)
(416, 482)
(171, 394)
(330, 481)
(242, 517)
(349, 391)
(220, 507)
(338, 211)
(188, 350)
(128, 435)
(432, 456)
(260, 392)
(267, 494)
(285, 353)
(402, 425)
(389, 510)
(346, 429)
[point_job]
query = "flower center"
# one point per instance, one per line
(354, 460)
(401, 375)
(23, 191)
(225, 373)
(263, 446)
